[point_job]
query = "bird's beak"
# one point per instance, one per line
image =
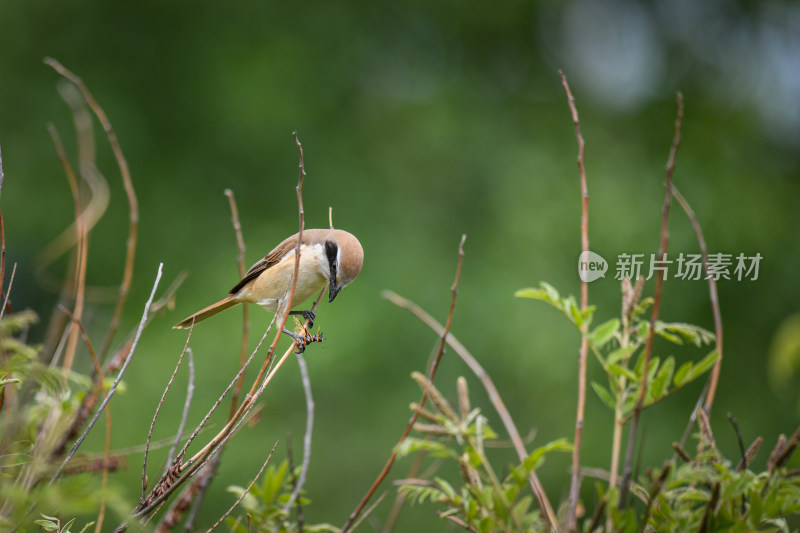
(333, 290)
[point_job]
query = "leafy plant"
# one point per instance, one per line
(51, 523)
(483, 501)
(263, 507)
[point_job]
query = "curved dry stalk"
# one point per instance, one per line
(445, 331)
(712, 295)
(133, 223)
(491, 390)
(88, 214)
(80, 237)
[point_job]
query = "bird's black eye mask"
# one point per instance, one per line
(331, 251)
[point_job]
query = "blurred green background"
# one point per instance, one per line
(420, 121)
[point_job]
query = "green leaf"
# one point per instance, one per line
(652, 368)
(643, 329)
(604, 332)
(587, 314)
(47, 525)
(446, 488)
(68, 525)
(784, 352)
(621, 354)
(622, 371)
(87, 526)
(545, 292)
(660, 384)
(413, 445)
(551, 291)
(688, 332)
(604, 395)
(536, 457)
(680, 375)
(702, 366)
(533, 294)
(573, 312)
(273, 482)
(521, 507)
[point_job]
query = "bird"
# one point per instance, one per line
(328, 257)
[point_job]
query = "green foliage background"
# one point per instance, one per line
(420, 122)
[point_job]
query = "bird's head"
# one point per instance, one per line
(345, 259)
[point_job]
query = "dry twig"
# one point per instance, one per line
(574, 486)
(114, 386)
(133, 224)
(158, 410)
(491, 390)
(713, 296)
(301, 479)
(662, 253)
(237, 228)
(179, 472)
(445, 331)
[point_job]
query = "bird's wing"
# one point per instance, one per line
(271, 259)
(277, 254)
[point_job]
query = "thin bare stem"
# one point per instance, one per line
(219, 400)
(250, 486)
(712, 295)
(301, 479)
(107, 447)
(86, 157)
(2, 176)
(491, 390)
(458, 522)
(166, 485)
(387, 467)
(574, 486)
(133, 223)
(397, 506)
(202, 481)
(158, 410)
(237, 228)
(662, 254)
(8, 291)
(114, 386)
(2, 244)
(185, 414)
(290, 455)
(368, 512)
(81, 239)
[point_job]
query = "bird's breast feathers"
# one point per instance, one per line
(275, 283)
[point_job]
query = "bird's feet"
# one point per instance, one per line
(307, 315)
(301, 341)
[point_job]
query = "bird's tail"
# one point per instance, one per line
(211, 310)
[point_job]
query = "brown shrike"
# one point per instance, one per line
(331, 258)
